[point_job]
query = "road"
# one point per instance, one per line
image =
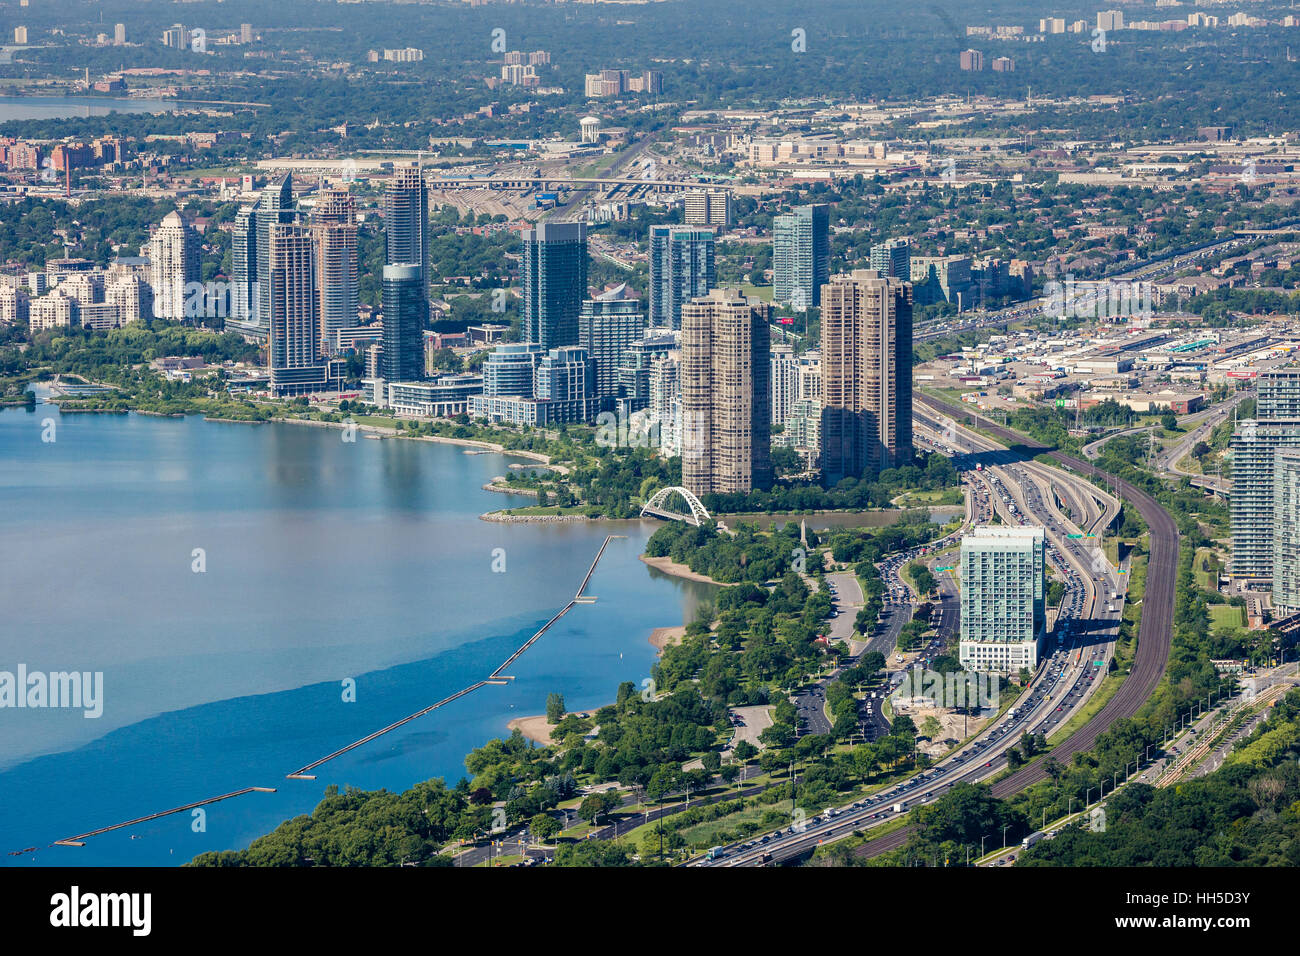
(1150, 270)
(1167, 459)
(1061, 686)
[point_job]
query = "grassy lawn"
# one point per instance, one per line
(1109, 685)
(1206, 579)
(764, 292)
(1225, 617)
(596, 168)
(937, 496)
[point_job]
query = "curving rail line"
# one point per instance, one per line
(1154, 634)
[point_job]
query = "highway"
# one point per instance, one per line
(1062, 685)
(1167, 459)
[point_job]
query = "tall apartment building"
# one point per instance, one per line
(406, 221)
(617, 82)
(632, 376)
(251, 294)
(893, 257)
(1286, 531)
(55, 310)
(681, 269)
(404, 313)
(607, 327)
(173, 263)
(334, 224)
(664, 401)
(708, 207)
(176, 37)
(1110, 20)
(14, 305)
(119, 34)
(132, 296)
(866, 372)
(244, 298)
(564, 375)
(554, 274)
(1003, 617)
(511, 369)
(972, 60)
(785, 382)
(1278, 395)
(810, 376)
(1254, 447)
(293, 311)
(801, 255)
(726, 414)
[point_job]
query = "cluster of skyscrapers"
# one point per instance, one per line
(295, 281)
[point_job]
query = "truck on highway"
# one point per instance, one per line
(715, 852)
(1030, 840)
(1110, 609)
(898, 807)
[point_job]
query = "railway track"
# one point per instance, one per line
(1154, 634)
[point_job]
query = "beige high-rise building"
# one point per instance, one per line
(334, 224)
(708, 207)
(296, 366)
(132, 296)
(866, 373)
(725, 393)
(174, 269)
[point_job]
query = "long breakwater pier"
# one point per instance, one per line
(496, 677)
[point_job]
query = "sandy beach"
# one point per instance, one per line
(662, 637)
(669, 566)
(534, 728)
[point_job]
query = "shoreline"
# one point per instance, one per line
(669, 566)
(504, 517)
(386, 432)
(436, 439)
(664, 637)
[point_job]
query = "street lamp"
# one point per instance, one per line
(1086, 801)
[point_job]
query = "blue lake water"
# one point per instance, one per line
(73, 107)
(321, 560)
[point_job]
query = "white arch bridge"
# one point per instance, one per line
(657, 506)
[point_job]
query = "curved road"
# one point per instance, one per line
(1154, 635)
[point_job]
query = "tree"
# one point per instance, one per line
(596, 805)
(544, 827)
(554, 708)
(744, 751)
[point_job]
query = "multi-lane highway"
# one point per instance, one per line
(1061, 687)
